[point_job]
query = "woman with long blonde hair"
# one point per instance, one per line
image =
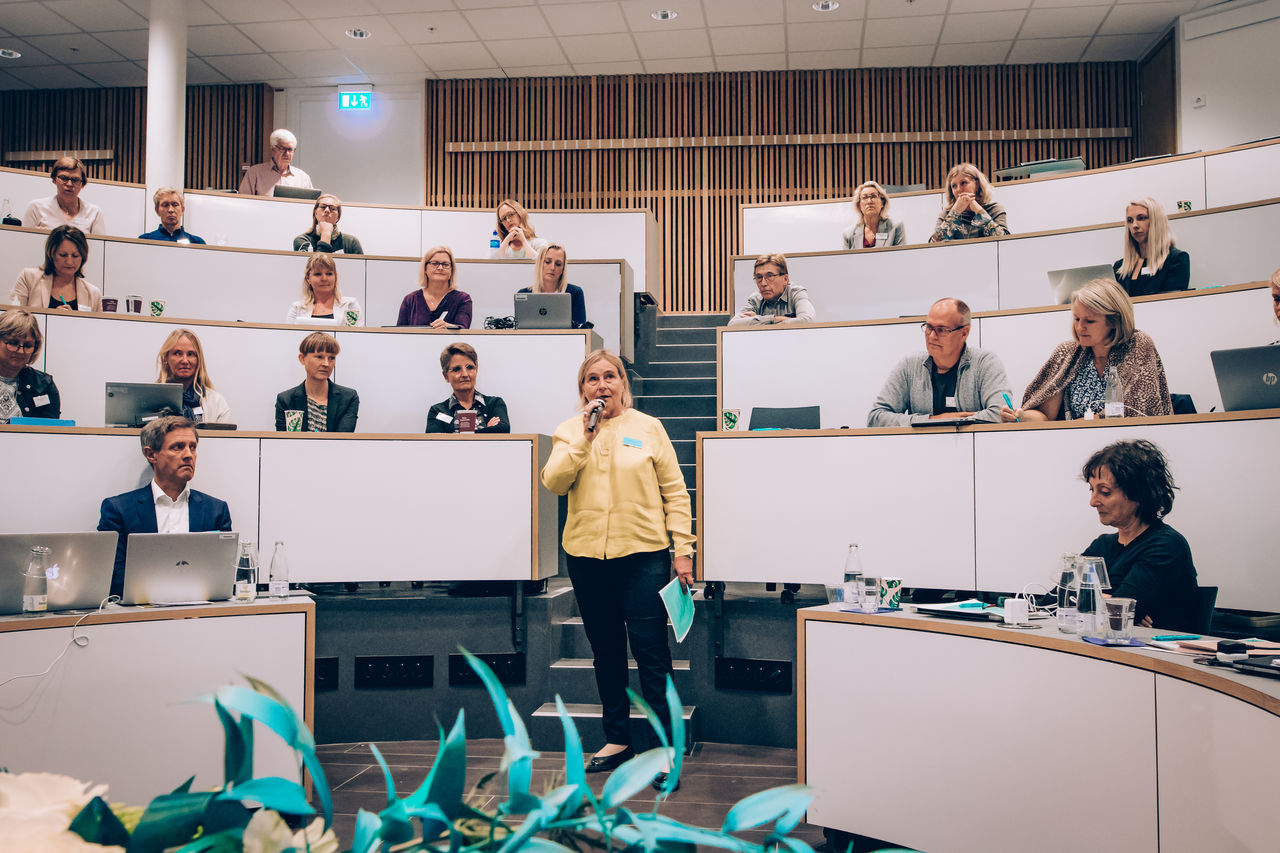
(969, 211)
(181, 360)
(1151, 263)
(515, 232)
(322, 299)
(551, 275)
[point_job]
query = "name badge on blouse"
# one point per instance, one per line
(881, 239)
(1145, 271)
(198, 411)
(631, 442)
(42, 400)
(443, 418)
(951, 403)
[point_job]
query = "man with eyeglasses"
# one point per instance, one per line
(65, 207)
(778, 300)
(261, 178)
(170, 209)
(950, 379)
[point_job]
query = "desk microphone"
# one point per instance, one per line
(597, 406)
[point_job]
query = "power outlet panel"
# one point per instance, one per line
(510, 669)
(766, 676)
(326, 674)
(379, 671)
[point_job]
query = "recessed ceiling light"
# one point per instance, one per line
(358, 33)
(826, 5)
(6, 53)
(663, 15)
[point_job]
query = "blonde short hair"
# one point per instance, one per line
(1105, 297)
(857, 197)
(319, 259)
(612, 358)
(167, 191)
(975, 174)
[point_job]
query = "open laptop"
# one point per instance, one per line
(1064, 283)
(786, 417)
(1248, 378)
(281, 191)
(135, 404)
(79, 568)
(180, 568)
(543, 311)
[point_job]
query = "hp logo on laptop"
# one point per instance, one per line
(1268, 379)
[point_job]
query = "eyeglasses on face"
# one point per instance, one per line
(940, 331)
(19, 346)
(69, 179)
(328, 208)
(440, 265)
(766, 276)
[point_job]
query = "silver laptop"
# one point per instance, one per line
(79, 568)
(135, 404)
(1248, 378)
(180, 568)
(543, 311)
(1064, 283)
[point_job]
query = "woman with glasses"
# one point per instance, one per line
(1151, 263)
(968, 211)
(873, 228)
(65, 207)
(437, 303)
(181, 361)
(60, 283)
(516, 235)
(459, 364)
(550, 275)
(24, 391)
(778, 300)
(324, 235)
(1107, 346)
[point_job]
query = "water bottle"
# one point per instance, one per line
(1089, 605)
(278, 586)
(247, 572)
(494, 242)
(1068, 591)
(1113, 396)
(852, 576)
(35, 582)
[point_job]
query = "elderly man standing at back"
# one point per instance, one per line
(950, 379)
(261, 178)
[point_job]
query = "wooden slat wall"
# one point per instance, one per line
(695, 189)
(226, 125)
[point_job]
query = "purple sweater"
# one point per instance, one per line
(456, 304)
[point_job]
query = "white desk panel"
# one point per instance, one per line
(817, 226)
(934, 715)
(1235, 177)
(1032, 505)
(248, 366)
(119, 711)
(248, 222)
(75, 472)
(466, 232)
(1230, 246)
(888, 283)
(398, 376)
(459, 509)
(381, 230)
(784, 507)
(1214, 781)
(841, 368)
(125, 207)
(1024, 262)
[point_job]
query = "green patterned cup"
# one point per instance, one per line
(353, 317)
(891, 592)
(729, 419)
(293, 420)
(157, 307)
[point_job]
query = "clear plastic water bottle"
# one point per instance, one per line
(1089, 606)
(494, 242)
(852, 576)
(247, 572)
(1113, 396)
(1068, 590)
(35, 582)
(278, 585)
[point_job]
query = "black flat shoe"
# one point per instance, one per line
(660, 781)
(610, 762)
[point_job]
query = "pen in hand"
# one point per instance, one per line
(1008, 402)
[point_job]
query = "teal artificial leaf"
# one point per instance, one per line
(397, 827)
(184, 787)
(277, 794)
(544, 845)
(574, 770)
(226, 841)
(649, 715)
(665, 834)
(634, 775)
(526, 830)
(444, 784)
(517, 759)
(224, 814)
(237, 759)
(497, 695)
(434, 820)
(366, 839)
(675, 711)
(170, 820)
(386, 773)
(795, 845)
(97, 824)
(785, 804)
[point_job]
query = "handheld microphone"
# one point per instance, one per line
(597, 406)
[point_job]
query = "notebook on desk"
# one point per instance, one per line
(79, 568)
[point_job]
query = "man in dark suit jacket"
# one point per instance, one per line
(167, 504)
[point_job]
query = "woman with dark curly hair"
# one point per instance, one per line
(1131, 487)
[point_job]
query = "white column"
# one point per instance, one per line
(166, 96)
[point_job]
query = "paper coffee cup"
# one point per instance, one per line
(890, 592)
(157, 307)
(109, 304)
(293, 420)
(133, 303)
(353, 317)
(729, 419)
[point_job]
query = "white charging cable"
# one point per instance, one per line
(79, 640)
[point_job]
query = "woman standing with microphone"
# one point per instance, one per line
(627, 506)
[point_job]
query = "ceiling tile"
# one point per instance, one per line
(455, 57)
(981, 53)
(1118, 48)
(536, 51)
(9, 82)
(389, 6)
(1061, 23)
(432, 27)
(245, 11)
(131, 44)
(74, 47)
(673, 45)
(540, 71)
(746, 40)
(31, 55)
(52, 77)
(753, 62)
(381, 31)
(825, 59)
(981, 27)
(734, 13)
(686, 65)
(472, 73)
(94, 15)
(526, 22)
(248, 68)
(386, 60)
(400, 78)
(961, 6)
(314, 63)
(688, 15)
(491, 4)
(1047, 50)
(286, 35)
(802, 11)
(30, 19)
(897, 32)
(902, 8)
(897, 57)
(201, 73)
(218, 40)
(114, 73)
(833, 35)
(616, 47)
(311, 9)
(1143, 17)
(576, 19)
(607, 68)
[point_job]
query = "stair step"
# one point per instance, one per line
(677, 405)
(678, 369)
(686, 451)
(690, 335)
(685, 428)
(547, 733)
(684, 321)
(585, 663)
(583, 709)
(675, 385)
(684, 352)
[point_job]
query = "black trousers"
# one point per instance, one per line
(618, 599)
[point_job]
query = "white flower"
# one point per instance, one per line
(39, 793)
(268, 833)
(44, 832)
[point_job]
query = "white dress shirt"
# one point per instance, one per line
(172, 516)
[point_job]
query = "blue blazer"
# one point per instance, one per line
(135, 512)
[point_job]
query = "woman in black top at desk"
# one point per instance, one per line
(1131, 487)
(550, 275)
(460, 365)
(1151, 263)
(324, 405)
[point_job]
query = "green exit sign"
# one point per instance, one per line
(355, 100)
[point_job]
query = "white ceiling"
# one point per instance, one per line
(295, 43)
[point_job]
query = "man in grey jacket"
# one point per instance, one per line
(949, 380)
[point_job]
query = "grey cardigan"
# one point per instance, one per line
(897, 234)
(907, 395)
